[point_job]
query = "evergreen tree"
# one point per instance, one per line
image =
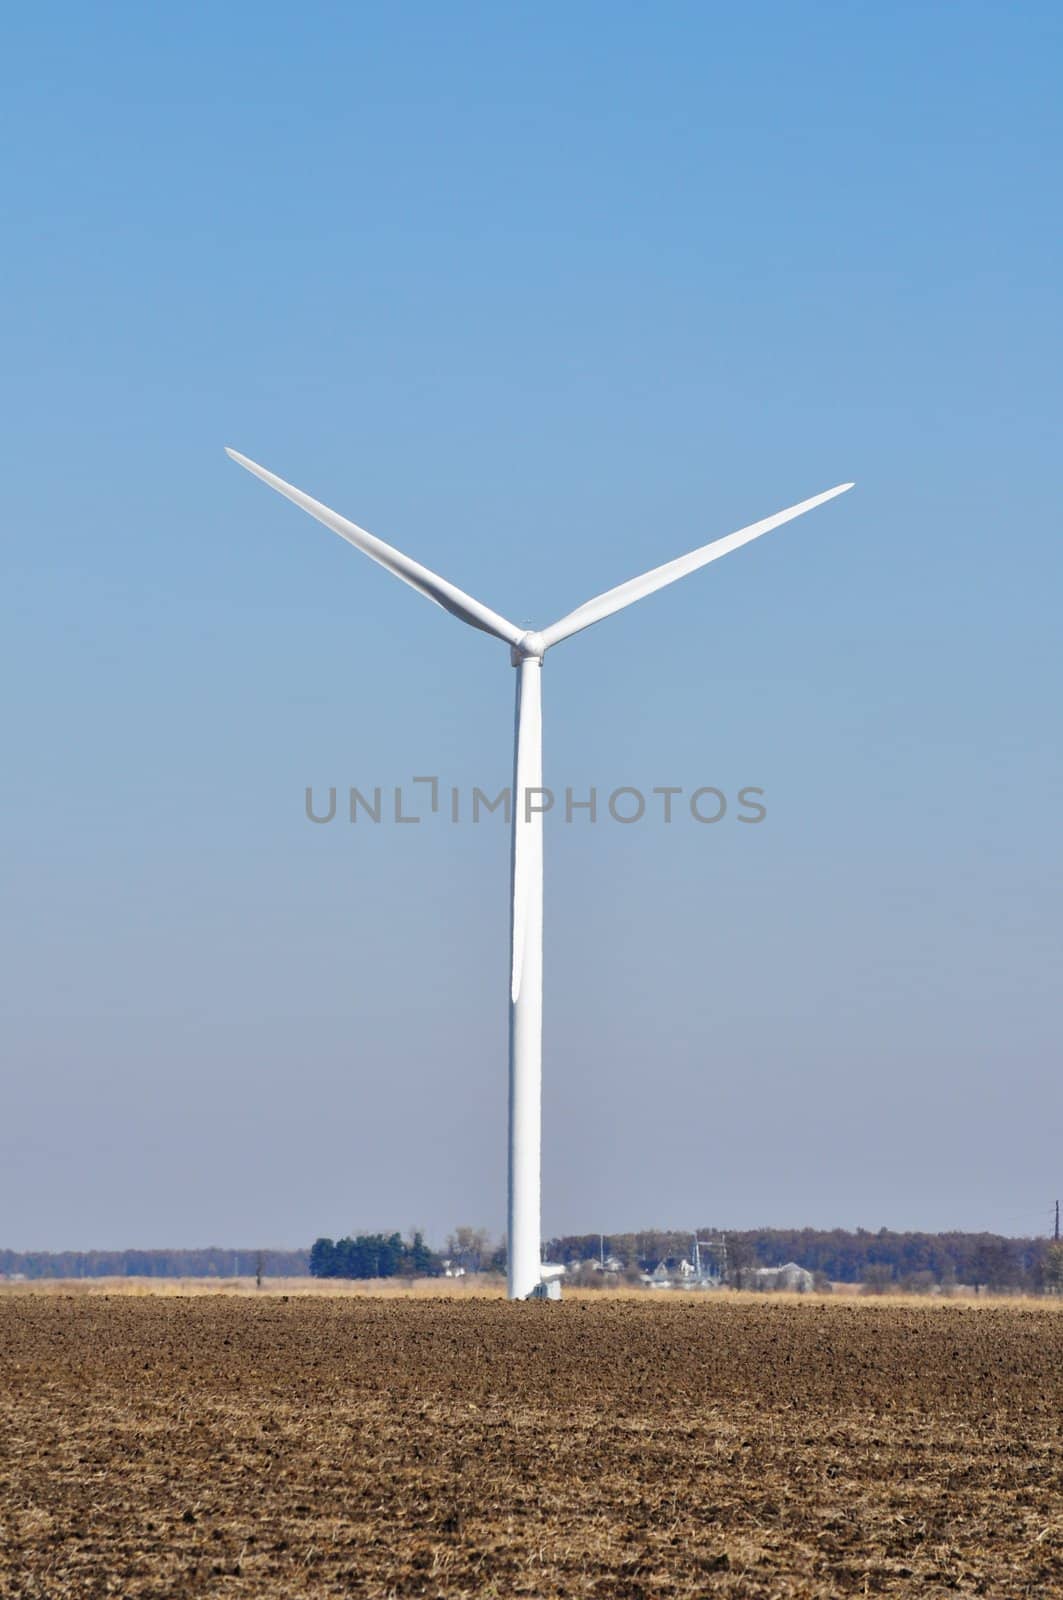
(323, 1259)
(422, 1263)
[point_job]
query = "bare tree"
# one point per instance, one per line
(469, 1248)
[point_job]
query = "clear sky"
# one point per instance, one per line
(545, 296)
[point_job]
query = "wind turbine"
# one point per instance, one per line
(527, 649)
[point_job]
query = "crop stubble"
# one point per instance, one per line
(207, 1447)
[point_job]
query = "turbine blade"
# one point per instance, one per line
(428, 583)
(626, 594)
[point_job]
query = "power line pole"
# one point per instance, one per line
(1057, 1222)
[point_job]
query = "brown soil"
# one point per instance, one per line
(611, 1448)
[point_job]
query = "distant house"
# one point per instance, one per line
(789, 1277)
(583, 1268)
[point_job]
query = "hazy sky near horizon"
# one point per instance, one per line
(545, 296)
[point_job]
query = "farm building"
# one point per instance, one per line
(795, 1279)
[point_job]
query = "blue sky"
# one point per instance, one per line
(546, 297)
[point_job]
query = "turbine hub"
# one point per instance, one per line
(529, 647)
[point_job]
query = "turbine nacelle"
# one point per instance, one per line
(531, 646)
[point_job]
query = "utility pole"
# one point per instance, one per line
(1057, 1223)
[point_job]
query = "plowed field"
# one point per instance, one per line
(273, 1448)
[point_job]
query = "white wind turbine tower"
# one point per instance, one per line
(527, 649)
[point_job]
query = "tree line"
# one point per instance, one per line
(213, 1262)
(879, 1260)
